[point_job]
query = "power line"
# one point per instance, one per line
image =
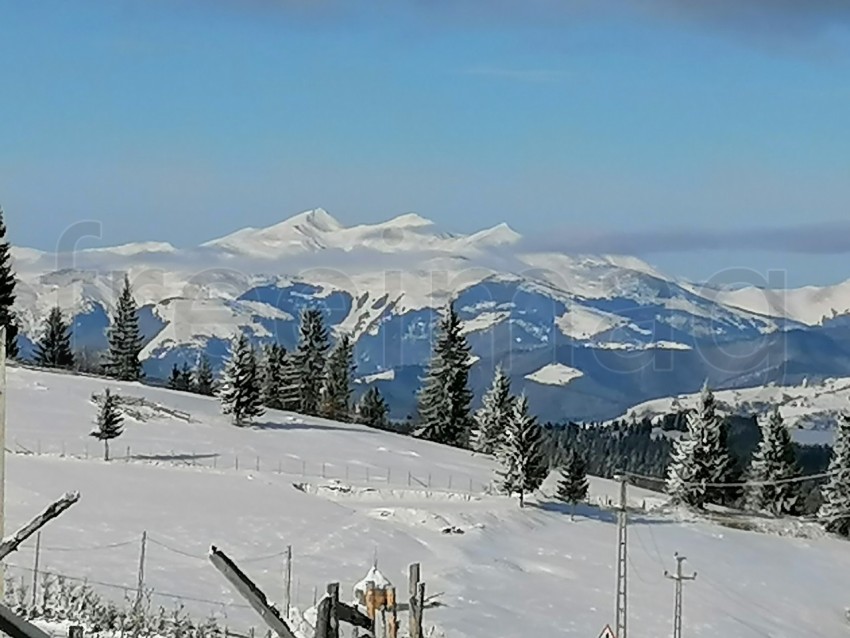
(795, 479)
(129, 588)
(204, 557)
(90, 548)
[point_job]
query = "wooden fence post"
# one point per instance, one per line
(391, 604)
(333, 613)
(414, 623)
(420, 609)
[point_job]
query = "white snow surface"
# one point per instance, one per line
(811, 410)
(809, 305)
(554, 374)
(499, 570)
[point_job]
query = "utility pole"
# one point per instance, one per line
(622, 558)
(2, 450)
(679, 577)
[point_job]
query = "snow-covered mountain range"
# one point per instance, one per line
(616, 330)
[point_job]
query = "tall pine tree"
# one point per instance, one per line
(241, 390)
(523, 454)
(109, 422)
(7, 293)
(53, 350)
(700, 457)
(336, 394)
(573, 485)
(125, 340)
(372, 409)
(273, 357)
(834, 514)
(774, 460)
(491, 419)
(444, 399)
(204, 381)
(309, 360)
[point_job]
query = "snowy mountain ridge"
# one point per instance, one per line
(602, 315)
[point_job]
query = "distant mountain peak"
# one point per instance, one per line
(408, 220)
(317, 218)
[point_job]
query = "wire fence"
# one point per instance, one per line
(365, 474)
(121, 578)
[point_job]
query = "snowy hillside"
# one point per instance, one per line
(499, 571)
(811, 410)
(604, 316)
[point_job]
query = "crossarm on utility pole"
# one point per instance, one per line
(9, 545)
(250, 592)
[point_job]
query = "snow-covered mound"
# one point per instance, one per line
(496, 570)
(554, 374)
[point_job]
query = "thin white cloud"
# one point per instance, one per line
(829, 238)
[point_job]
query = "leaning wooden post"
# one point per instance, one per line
(415, 627)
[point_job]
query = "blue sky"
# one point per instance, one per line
(185, 120)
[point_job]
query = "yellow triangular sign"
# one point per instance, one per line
(607, 632)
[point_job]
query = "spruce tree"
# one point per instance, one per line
(522, 455)
(241, 391)
(186, 383)
(204, 381)
(53, 350)
(444, 398)
(700, 457)
(774, 460)
(834, 514)
(309, 359)
(573, 485)
(109, 422)
(372, 409)
(125, 340)
(7, 293)
(491, 418)
(174, 378)
(336, 394)
(273, 357)
(289, 387)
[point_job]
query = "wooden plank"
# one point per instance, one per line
(353, 616)
(53, 510)
(16, 627)
(250, 592)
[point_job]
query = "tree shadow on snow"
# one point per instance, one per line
(174, 456)
(300, 425)
(593, 512)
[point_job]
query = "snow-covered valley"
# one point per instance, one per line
(499, 570)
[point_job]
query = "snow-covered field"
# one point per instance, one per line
(811, 410)
(500, 571)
